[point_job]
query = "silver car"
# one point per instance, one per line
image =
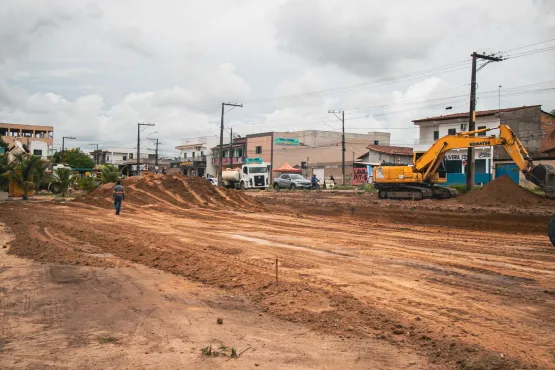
(291, 181)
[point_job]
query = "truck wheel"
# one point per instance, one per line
(551, 230)
(55, 188)
(276, 187)
(382, 194)
(243, 186)
(293, 187)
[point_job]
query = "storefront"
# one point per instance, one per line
(456, 166)
(193, 168)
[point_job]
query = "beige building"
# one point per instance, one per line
(39, 139)
(314, 151)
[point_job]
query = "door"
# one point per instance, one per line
(507, 169)
(319, 172)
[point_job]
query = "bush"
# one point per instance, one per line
(87, 183)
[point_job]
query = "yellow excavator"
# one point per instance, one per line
(422, 179)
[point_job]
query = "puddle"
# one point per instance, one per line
(288, 246)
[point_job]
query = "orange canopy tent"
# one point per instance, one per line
(287, 168)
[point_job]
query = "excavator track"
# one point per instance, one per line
(404, 192)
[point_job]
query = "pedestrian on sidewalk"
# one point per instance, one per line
(118, 196)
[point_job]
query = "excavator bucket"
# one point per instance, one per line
(543, 175)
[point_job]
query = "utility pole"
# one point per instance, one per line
(230, 147)
(97, 154)
(139, 145)
(220, 180)
(63, 146)
(472, 113)
(342, 119)
(156, 155)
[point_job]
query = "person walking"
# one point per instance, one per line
(118, 196)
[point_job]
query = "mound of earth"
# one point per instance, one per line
(171, 192)
(504, 192)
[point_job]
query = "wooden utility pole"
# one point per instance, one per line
(97, 153)
(139, 145)
(63, 145)
(220, 180)
(472, 113)
(343, 149)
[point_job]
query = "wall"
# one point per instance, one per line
(39, 145)
(377, 157)
(265, 141)
(427, 129)
(548, 129)
(526, 124)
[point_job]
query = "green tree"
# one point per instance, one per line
(87, 183)
(21, 171)
(62, 179)
(74, 158)
(40, 177)
(109, 174)
(3, 145)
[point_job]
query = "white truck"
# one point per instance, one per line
(249, 176)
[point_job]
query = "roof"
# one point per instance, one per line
(482, 113)
(395, 150)
(287, 168)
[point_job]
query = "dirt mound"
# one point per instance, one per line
(504, 192)
(171, 191)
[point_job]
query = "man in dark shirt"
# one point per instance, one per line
(118, 196)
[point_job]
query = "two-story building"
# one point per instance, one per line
(233, 155)
(39, 139)
(195, 158)
(530, 124)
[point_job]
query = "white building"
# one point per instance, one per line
(431, 129)
(195, 156)
(119, 156)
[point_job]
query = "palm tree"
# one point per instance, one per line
(62, 178)
(109, 174)
(40, 177)
(21, 170)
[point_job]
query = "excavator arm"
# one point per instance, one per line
(541, 175)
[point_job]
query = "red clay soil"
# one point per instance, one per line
(173, 191)
(504, 192)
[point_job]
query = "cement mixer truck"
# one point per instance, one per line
(249, 176)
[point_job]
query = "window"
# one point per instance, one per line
(453, 166)
(258, 169)
(258, 150)
(481, 133)
(452, 131)
(239, 152)
(202, 154)
(184, 155)
(436, 135)
(130, 155)
(37, 152)
(107, 158)
(124, 157)
(193, 154)
(246, 170)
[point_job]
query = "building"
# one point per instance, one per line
(316, 152)
(389, 154)
(232, 155)
(195, 158)
(533, 126)
(119, 156)
(39, 139)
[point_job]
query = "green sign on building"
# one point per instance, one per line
(256, 160)
(286, 141)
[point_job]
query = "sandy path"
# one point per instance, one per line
(466, 295)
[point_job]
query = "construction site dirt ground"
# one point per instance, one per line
(362, 283)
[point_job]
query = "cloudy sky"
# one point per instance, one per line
(93, 69)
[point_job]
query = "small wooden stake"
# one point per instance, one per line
(276, 270)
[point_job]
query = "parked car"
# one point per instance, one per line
(213, 180)
(291, 181)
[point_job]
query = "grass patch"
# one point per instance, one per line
(106, 340)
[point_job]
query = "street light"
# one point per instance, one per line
(63, 145)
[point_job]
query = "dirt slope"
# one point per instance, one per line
(504, 192)
(171, 192)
